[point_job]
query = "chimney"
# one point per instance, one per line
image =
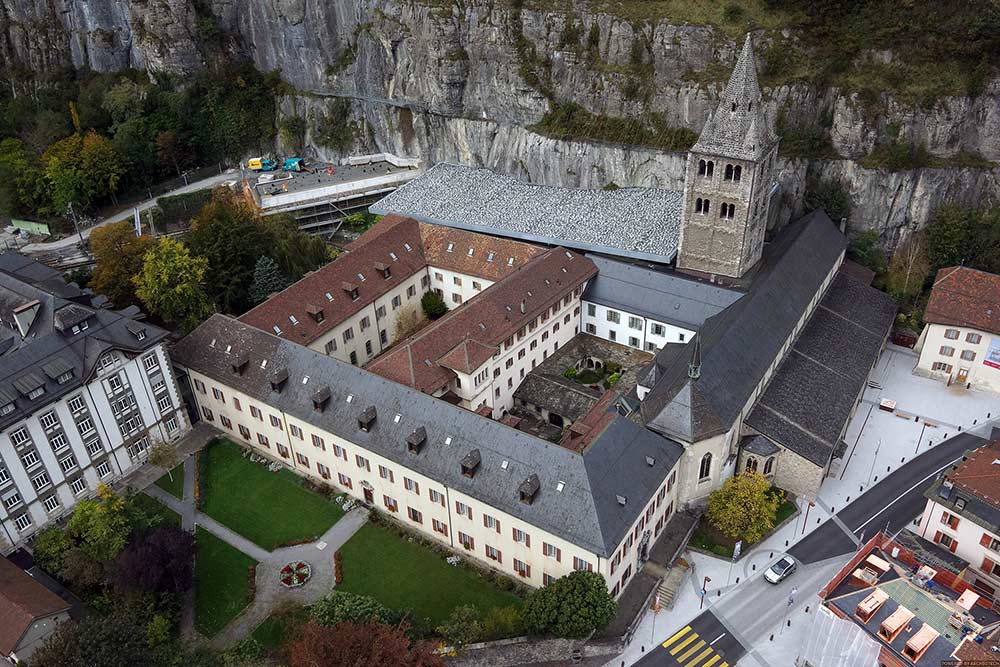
(367, 419)
(528, 489)
(415, 441)
(471, 462)
(278, 379)
(843, 225)
(694, 366)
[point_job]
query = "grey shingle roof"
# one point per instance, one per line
(585, 512)
(740, 343)
(809, 400)
(661, 295)
(642, 223)
(739, 126)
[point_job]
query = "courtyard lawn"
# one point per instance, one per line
(404, 575)
(280, 626)
(154, 506)
(174, 487)
(270, 509)
(221, 575)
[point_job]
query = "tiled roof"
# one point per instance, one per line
(641, 223)
(965, 297)
(577, 493)
(394, 243)
(979, 474)
(739, 127)
(489, 257)
(469, 335)
(22, 602)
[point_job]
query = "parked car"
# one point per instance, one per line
(780, 570)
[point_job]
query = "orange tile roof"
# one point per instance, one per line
(965, 297)
(979, 474)
(467, 337)
(491, 257)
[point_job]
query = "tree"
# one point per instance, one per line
(295, 252)
(50, 550)
(572, 606)
(828, 195)
(163, 455)
(23, 189)
(462, 627)
(171, 284)
(100, 526)
(948, 236)
(119, 256)
(343, 607)
(909, 267)
(161, 562)
(267, 280)
(96, 641)
(433, 305)
(170, 150)
(82, 570)
(866, 249)
(410, 320)
(351, 644)
(82, 168)
(744, 508)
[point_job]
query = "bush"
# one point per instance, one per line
(570, 373)
(866, 249)
(462, 627)
(502, 623)
(433, 305)
(340, 606)
(828, 195)
(571, 607)
(898, 156)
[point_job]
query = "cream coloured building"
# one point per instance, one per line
(524, 506)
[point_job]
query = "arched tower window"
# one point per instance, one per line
(707, 205)
(749, 106)
(751, 464)
(769, 466)
(710, 168)
(699, 205)
(729, 173)
(734, 107)
(705, 469)
(737, 173)
(701, 167)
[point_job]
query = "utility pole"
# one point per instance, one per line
(76, 224)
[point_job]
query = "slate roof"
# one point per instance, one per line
(22, 602)
(808, 402)
(738, 127)
(466, 337)
(965, 297)
(641, 223)
(585, 512)
(740, 343)
(46, 353)
(665, 296)
(566, 398)
(759, 445)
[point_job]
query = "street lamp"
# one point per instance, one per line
(704, 591)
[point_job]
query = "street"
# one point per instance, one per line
(747, 613)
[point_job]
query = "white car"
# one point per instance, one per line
(780, 570)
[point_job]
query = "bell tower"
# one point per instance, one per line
(728, 180)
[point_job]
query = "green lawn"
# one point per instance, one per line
(175, 487)
(267, 508)
(154, 506)
(273, 631)
(221, 579)
(404, 575)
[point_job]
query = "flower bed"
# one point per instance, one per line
(295, 574)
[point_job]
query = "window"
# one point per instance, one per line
(163, 403)
(324, 472)
(4, 475)
(48, 420)
(414, 515)
(491, 522)
(457, 281)
(410, 485)
(51, 504)
(318, 442)
(331, 346)
(436, 497)
(76, 404)
(282, 450)
(245, 432)
(397, 301)
(22, 522)
(751, 464)
(521, 537)
(466, 541)
(12, 501)
(968, 355)
(591, 310)
(302, 460)
(354, 358)
(339, 452)
(262, 439)
(551, 551)
(368, 347)
(580, 564)
(634, 323)
(590, 328)
(114, 383)
(456, 298)
(30, 460)
(705, 468)
(149, 362)
(951, 334)
(390, 504)
(94, 447)
(613, 316)
(941, 366)
(385, 473)
(972, 338)
(19, 437)
(85, 425)
(344, 480)
(362, 462)
(945, 540)
(348, 334)
(949, 520)
(463, 509)
(612, 335)
(132, 424)
(633, 341)
(275, 422)
(439, 527)
(494, 554)
(295, 431)
(522, 568)
(769, 466)
(78, 485)
(946, 351)
(103, 469)
(477, 285)
(255, 412)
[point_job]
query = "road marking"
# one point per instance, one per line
(893, 502)
(680, 645)
(712, 643)
(701, 656)
(714, 659)
(677, 635)
(840, 524)
(691, 651)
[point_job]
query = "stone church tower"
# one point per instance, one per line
(727, 185)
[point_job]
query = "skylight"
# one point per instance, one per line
(293, 320)
(510, 261)
(329, 297)
(471, 251)
(276, 329)
(489, 257)
(451, 247)
(392, 256)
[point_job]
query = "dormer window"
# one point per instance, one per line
(321, 398)
(528, 489)
(136, 329)
(471, 463)
(366, 420)
(416, 440)
(240, 363)
(278, 379)
(393, 256)
(384, 269)
(35, 393)
(6, 409)
(329, 297)
(65, 377)
(316, 313)
(351, 289)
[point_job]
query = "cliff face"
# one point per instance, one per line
(464, 82)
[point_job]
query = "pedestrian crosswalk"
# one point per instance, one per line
(691, 650)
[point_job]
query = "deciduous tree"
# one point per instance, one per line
(161, 562)
(744, 508)
(100, 526)
(50, 550)
(571, 606)
(172, 284)
(119, 254)
(909, 267)
(97, 641)
(81, 169)
(352, 644)
(163, 455)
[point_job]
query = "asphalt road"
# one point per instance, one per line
(756, 606)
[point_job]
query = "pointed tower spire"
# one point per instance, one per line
(694, 366)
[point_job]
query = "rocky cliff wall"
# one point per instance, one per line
(465, 82)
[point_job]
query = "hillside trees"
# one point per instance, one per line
(172, 284)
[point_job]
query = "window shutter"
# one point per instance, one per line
(985, 540)
(953, 522)
(484, 520)
(558, 555)
(416, 488)
(987, 565)
(499, 556)
(954, 545)
(590, 568)
(513, 533)
(498, 526)
(527, 540)
(944, 517)
(527, 570)
(469, 511)
(937, 536)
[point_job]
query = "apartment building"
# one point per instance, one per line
(84, 392)
(961, 340)
(962, 515)
(477, 355)
(524, 506)
(351, 308)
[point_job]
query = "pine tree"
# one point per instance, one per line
(267, 279)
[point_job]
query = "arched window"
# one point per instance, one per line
(722, 210)
(749, 106)
(705, 470)
(709, 168)
(769, 466)
(751, 464)
(737, 173)
(701, 167)
(707, 205)
(734, 107)
(699, 205)
(729, 172)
